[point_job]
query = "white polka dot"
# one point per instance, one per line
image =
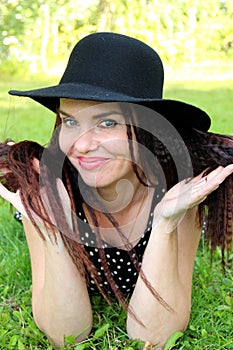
(118, 267)
(114, 260)
(115, 272)
(105, 282)
(128, 290)
(82, 238)
(92, 242)
(96, 250)
(99, 273)
(129, 270)
(128, 279)
(119, 278)
(121, 260)
(86, 244)
(124, 287)
(80, 214)
(99, 260)
(92, 282)
(108, 256)
(129, 263)
(86, 234)
(85, 220)
(144, 242)
(163, 190)
(135, 273)
(91, 253)
(101, 268)
(118, 253)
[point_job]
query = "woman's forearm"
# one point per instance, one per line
(63, 307)
(160, 266)
(61, 304)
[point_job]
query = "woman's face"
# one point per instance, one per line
(94, 138)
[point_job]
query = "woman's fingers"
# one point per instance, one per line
(63, 194)
(5, 193)
(220, 174)
(13, 198)
(209, 183)
(188, 194)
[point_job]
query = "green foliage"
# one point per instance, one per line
(172, 340)
(41, 33)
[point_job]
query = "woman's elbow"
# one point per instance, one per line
(158, 333)
(56, 332)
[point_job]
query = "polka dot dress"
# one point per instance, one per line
(120, 264)
(18, 217)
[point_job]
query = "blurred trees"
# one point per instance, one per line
(40, 34)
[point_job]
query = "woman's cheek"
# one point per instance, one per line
(66, 141)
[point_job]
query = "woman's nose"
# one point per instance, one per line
(86, 142)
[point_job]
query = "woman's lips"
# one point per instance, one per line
(90, 163)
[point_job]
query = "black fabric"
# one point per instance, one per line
(118, 260)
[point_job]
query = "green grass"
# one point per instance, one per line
(211, 324)
(214, 97)
(210, 327)
(22, 118)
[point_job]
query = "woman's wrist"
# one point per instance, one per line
(165, 225)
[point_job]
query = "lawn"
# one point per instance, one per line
(211, 324)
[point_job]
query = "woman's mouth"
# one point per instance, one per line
(90, 163)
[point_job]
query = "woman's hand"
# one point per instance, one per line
(188, 194)
(14, 198)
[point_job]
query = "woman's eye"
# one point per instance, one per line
(108, 123)
(69, 122)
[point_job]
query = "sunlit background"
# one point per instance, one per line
(36, 36)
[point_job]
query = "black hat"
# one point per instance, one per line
(112, 67)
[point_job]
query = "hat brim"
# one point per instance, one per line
(180, 114)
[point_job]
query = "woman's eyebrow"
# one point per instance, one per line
(106, 114)
(97, 116)
(65, 113)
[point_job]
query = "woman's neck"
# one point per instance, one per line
(117, 198)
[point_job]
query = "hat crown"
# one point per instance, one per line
(116, 63)
(111, 67)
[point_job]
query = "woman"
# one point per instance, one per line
(116, 202)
